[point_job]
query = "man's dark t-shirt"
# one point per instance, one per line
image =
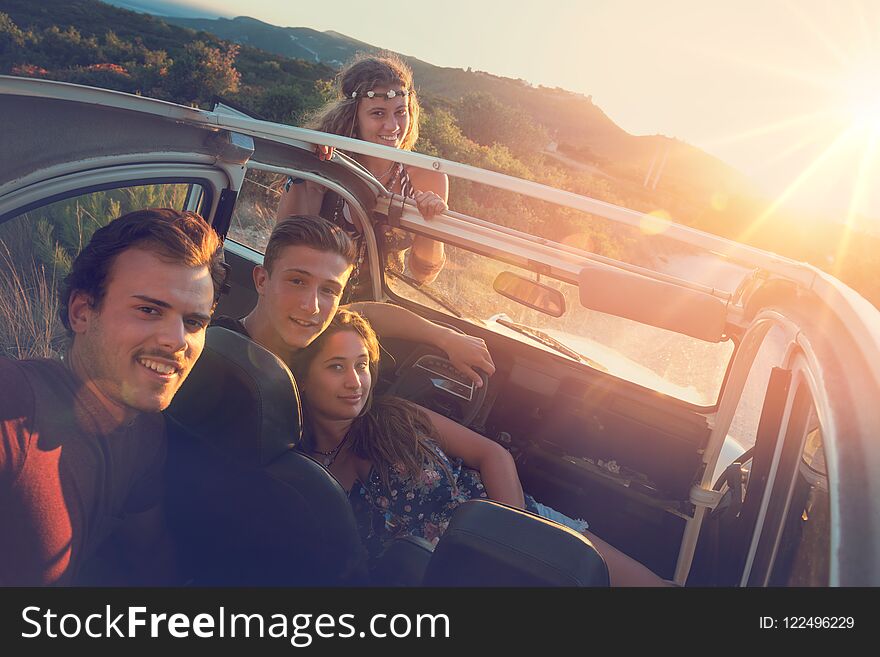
(69, 473)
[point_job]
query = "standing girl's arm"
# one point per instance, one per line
(431, 193)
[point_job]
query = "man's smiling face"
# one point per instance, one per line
(139, 343)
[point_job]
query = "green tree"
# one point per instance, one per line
(487, 121)
(149, 70)
(202, 72)
(105, 76)
(12, 38)
(14, 42)
(116, 49)
(68, 47)
(286, 103)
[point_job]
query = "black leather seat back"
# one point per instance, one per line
(491, 544)
(241, 397)
(244, 507)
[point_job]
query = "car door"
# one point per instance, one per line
(798, 505)
(74, 159)
(808, 517)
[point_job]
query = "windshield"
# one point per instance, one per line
(668, 362)
(685, 368)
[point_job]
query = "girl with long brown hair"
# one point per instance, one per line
(406, 469)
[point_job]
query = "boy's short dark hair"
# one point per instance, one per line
(311, 231)
(178, 237)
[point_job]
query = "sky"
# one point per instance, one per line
(786, 91)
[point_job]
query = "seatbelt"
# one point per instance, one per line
(765, 445)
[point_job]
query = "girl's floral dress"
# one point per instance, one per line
(416, 507)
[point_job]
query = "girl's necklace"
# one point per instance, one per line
(386, 172)
(391, 174)
(330, 457)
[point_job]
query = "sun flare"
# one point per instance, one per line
(837, 143)
(864, 104)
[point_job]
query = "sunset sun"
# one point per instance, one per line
(864, 103)
(836, 150)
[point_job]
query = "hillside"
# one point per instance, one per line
(548, 135)
(648, 172)
(572, 120)
(329, 48)
(90, 42)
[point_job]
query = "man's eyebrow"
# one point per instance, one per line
(155, 302)
(306, 272)
(164, 304)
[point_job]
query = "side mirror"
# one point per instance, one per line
(532, 294)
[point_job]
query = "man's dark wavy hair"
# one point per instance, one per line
(177, 237)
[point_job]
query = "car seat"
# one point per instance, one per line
(492, 544)
(244, 507)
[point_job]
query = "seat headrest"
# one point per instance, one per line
(492, 544)
(241, 398)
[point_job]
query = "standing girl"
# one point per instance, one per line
(377, 103)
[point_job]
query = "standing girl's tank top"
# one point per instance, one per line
(393, 242)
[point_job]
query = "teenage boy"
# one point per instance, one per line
(306, 266)
(82, 443)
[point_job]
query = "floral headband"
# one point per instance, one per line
(391, 93)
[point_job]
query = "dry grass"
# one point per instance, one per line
(36, 252)
(254, 216)
(29, 324)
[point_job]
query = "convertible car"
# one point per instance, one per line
(709, 408)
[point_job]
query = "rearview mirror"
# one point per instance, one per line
(532, 294)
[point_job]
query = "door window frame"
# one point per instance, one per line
(803, 400)
(81, 183)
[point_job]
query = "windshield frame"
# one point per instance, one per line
(480, 324)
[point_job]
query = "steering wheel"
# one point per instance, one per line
(432, 381)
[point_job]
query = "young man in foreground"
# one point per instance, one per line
(82, 443)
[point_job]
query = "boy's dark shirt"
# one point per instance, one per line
(227, 322)
(69, 473)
